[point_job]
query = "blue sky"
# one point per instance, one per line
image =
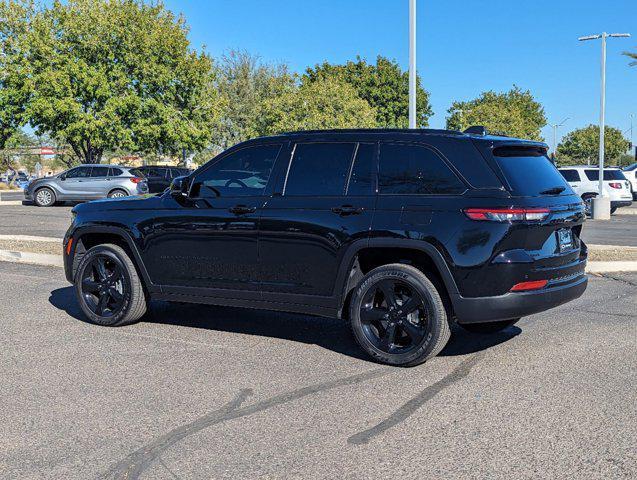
(464, 47)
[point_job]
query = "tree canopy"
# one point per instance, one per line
(327, 103)
(384, 86)
(514, 113)
(111, 74)
(244, 84)
(582, 145)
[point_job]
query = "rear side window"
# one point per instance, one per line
(319, 169)
(98, 172)
(415, 169)
(529, 171)
(361, 180)
(115, 172)
(608, 175)
(570, 175)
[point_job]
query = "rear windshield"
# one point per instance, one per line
(530, 172)
(608, 175)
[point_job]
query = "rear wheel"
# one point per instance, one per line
(613, 210)
(108, 288)
(117, 194)
(490, 327)
(398, 316)
(44, 197)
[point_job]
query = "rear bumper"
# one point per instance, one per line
(515, 305)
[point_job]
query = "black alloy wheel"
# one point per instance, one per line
(394, 316)
(104, 287)
(108, 287)
(398, 316)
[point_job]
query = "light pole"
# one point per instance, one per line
(412, 63)
(601, 205)
(555, 127)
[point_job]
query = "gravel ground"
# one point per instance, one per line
(209, 392)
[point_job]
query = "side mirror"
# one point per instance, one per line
(179, 186)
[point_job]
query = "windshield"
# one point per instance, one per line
(630, 168)
(530, 172)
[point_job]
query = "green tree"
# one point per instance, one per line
(514, 113)
(384, 86)
(14, 84)
(582, 145)
(632, 55)
(116, 74)
(244, 84)
(316, 105)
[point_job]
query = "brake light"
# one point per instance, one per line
(507, 214)
(533, 285)
(615, 185)
(136, 179)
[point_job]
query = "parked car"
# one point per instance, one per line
(630, 172)
(19, 179)
(401, 232)
(87, 182)
(159, 177)
(585, 182)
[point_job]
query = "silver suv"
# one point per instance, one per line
(87, 182)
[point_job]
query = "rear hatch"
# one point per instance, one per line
(551, 236)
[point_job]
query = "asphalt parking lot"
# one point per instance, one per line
(53, 222)
(210, 392)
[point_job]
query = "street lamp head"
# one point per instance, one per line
(589, 37)
(619, 35)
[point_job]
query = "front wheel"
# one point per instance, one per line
(117, 194)
(108, 287)
(490, 327)
(398, 317)
(44, 197)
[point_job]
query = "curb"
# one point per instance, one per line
(8, 203)
(32, 238)
(57, 261)
(32, 258)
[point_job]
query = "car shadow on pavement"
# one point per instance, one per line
(329, 333)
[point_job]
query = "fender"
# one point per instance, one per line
(343, 283)
(126, 236)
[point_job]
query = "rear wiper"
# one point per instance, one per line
(553, 191)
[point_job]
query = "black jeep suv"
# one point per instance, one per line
(401, 232)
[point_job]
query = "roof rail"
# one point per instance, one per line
(476, 130)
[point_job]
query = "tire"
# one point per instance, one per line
(390, 335)
(613, 210)
(44, 197)
(117, 193)
(107, 270)
(490, 327)
(587, 198)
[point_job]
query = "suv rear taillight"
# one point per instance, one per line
(136, 179)
(526, 286)
(615, 185)
(507, 214)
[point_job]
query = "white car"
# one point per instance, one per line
(630, 172)
(585, 181)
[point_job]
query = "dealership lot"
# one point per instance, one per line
(210, 392)
(53, 222)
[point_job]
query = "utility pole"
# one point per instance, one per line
(555, 127)
(601, 204)
(412, 63)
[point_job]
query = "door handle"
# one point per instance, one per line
(242, 209)
(347, 210)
